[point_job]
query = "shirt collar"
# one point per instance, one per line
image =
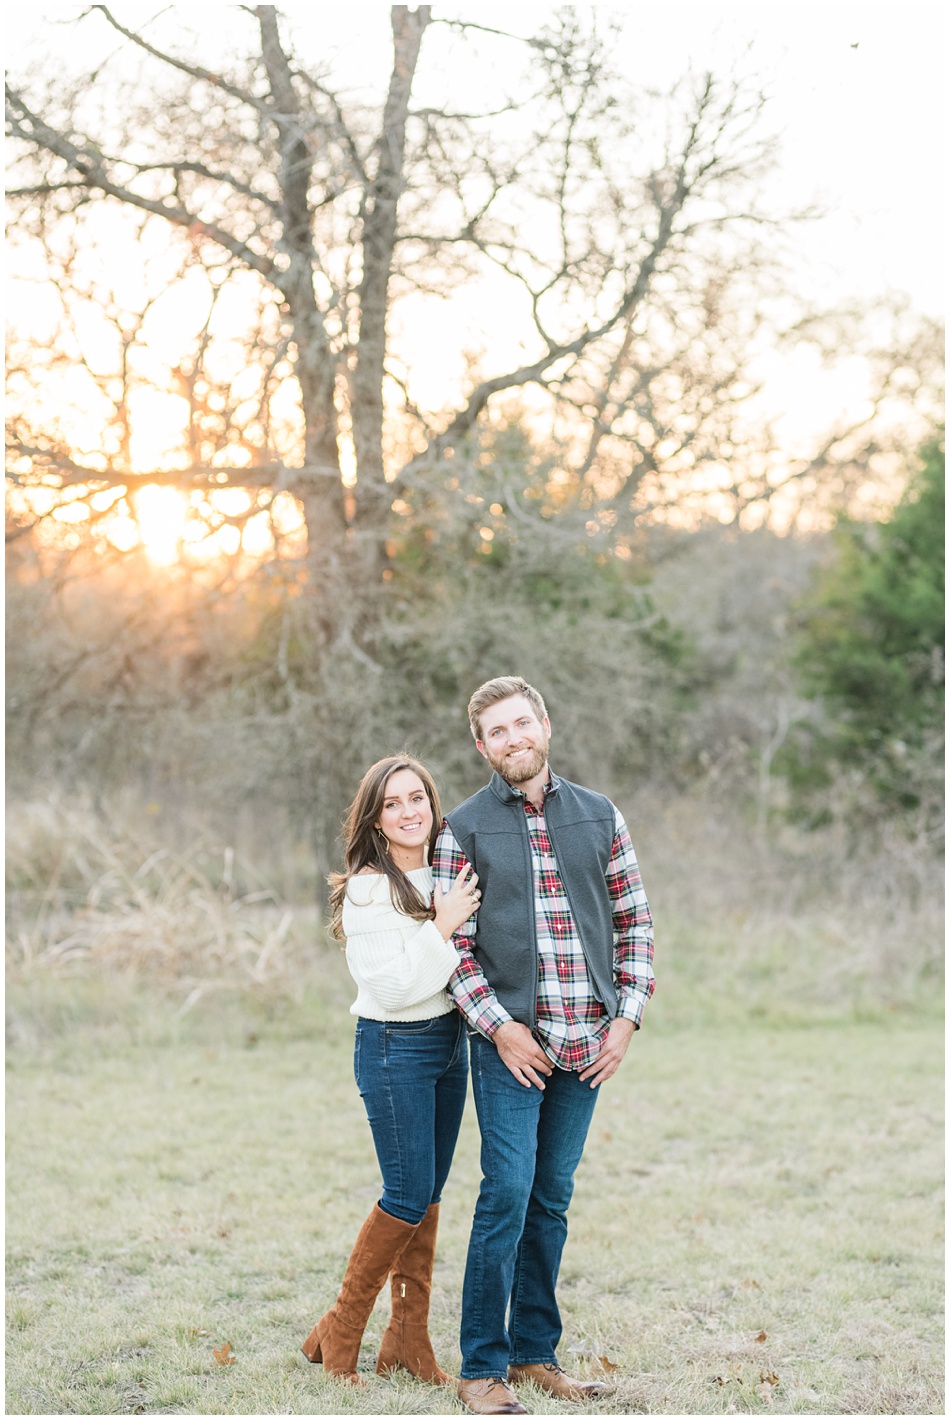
(508, 794)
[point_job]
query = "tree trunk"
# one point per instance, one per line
(379, 240)
(318, 485)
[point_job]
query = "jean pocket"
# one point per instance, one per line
(411, 1027)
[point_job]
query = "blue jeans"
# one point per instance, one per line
(532, 1142)
(412, 1076)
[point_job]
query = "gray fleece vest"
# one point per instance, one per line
(492, 831)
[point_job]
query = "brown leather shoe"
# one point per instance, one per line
(489, 1395)
(552, 1379)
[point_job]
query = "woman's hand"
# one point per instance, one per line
(456, 906)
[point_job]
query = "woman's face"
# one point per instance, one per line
(406, 815)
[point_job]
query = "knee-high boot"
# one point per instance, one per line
(406, 1341)
(335, 1340)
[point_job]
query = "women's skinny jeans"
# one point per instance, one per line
(412, 1076)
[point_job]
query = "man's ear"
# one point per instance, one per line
(481, 749)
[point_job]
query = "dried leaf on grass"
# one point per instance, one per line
(766, 1383)
(223, 1354)
(602, 1363)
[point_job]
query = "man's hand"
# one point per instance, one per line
(522, 1054)
(612, 1052)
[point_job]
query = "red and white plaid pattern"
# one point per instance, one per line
(572, 1023)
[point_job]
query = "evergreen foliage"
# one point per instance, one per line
(872, 646)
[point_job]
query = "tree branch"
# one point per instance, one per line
(194, 70)
(90, 163)
(200, 170)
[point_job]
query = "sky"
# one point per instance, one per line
(856, 98)
(857, 95)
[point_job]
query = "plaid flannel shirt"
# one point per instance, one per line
(571, 1022)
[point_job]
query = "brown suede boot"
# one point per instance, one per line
(335, 1340)
(406, 1341)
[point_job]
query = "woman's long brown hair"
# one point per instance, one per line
(365, 846)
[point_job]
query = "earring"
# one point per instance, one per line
(385, 840)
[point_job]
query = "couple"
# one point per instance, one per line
(539, 933)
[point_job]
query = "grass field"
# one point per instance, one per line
(757, 1223)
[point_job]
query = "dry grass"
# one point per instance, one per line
(90, 890)
(787, 925)
(757, 1223)
(758, 1217)
(809, 923)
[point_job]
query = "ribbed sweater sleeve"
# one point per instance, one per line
(400, 965)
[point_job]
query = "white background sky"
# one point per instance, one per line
(862, 129)
(857, 97)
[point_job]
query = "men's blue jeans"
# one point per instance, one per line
(532, 1142)
(412, 1076)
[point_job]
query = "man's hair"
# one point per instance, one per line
(499, 689)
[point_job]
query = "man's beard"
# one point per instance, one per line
(521, 770)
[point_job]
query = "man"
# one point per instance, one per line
(556, 968)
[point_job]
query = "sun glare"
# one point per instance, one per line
(161, 514)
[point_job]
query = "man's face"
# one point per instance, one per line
(514, 741)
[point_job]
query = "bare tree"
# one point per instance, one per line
(622, 223)
(240, 238)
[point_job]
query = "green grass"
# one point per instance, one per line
(757, 1223)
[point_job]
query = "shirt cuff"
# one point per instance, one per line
(489, 1020)
(631, 1009)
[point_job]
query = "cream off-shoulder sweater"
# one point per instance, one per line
(399, 965)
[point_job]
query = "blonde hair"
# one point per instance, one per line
(501, 688)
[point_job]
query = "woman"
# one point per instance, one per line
(410, 1058)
